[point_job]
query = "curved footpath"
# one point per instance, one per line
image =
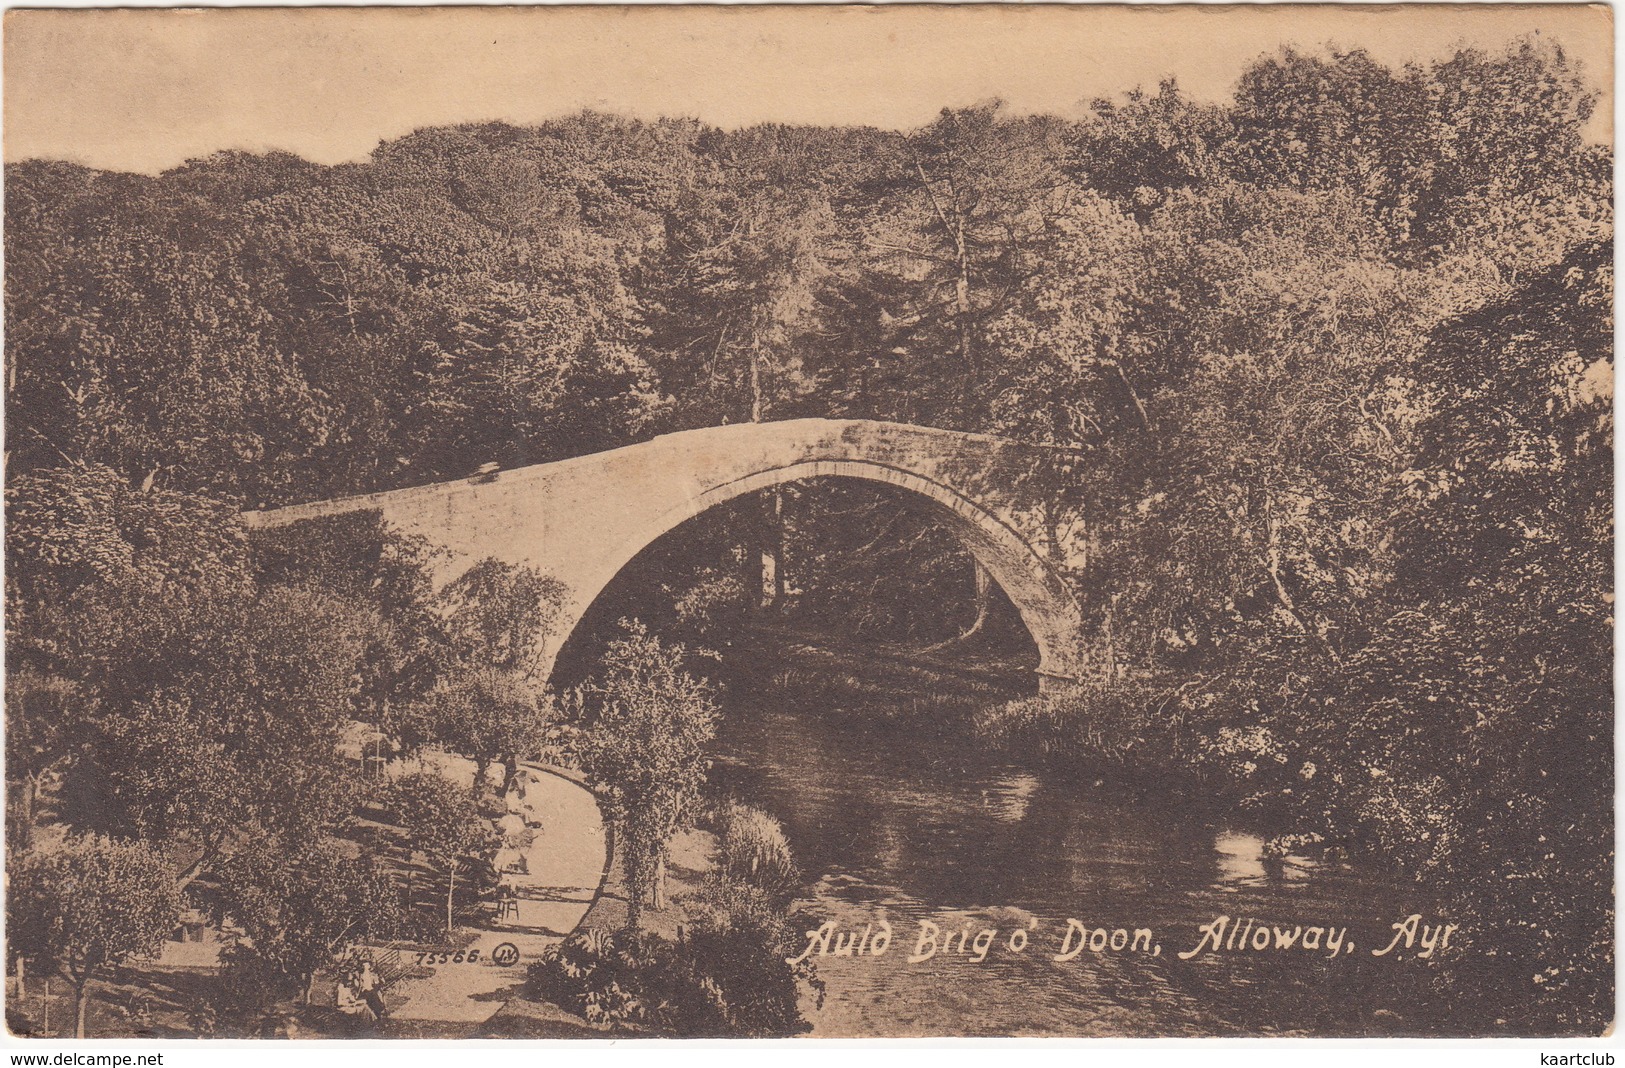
(567, 863)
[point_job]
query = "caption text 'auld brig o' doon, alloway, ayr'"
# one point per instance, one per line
(1224, 934)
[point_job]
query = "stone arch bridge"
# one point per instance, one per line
(581, 520)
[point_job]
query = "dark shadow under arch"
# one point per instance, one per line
(1045, 606)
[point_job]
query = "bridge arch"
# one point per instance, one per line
(1046, 606)
(583, 519)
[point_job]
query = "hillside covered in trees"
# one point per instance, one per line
(1335, 358)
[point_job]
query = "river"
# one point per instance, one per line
(904, 825)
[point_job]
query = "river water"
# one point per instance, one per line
(903, 826)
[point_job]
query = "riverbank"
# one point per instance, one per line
(554, 871)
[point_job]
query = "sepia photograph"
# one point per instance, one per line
(840, 522)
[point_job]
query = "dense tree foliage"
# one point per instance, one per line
(301, 907)
(488, 703)
(90, 906)
(181, 700)
(644, 747)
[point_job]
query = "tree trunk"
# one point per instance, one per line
(984, 607)
(755, 386)
(769, 547)
(211, 849)
(25, 829)
(636, 886)
(22, 977)
(45, 1013)
(1273, 564)
(1134, 394)
(984, 600)
(310, 984)
(657, 885)
(772, 548)
(81, 1004)
(451, 888)
(770, 577)
(1109, 640)
(966, 353)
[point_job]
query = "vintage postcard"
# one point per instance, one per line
(849, 522)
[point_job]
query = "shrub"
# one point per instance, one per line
(1127, 724)
(251, 983)
(607, 979)
(726, 978)
(752, 849)
(741, 942)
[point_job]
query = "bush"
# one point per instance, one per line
(608, 979)
(1128, 724)
(752, 849)
(741, 942)
(251, 984)
(726, 978)
(202, 1019)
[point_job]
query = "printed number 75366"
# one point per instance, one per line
(460, 957)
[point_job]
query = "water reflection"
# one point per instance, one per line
(1008, 799)
(1241, 858)
(1243, 861)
